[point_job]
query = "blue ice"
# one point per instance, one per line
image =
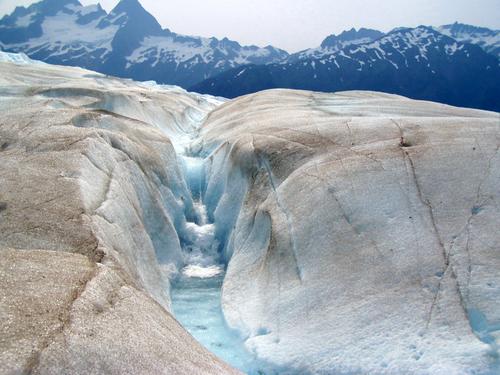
(196, 294)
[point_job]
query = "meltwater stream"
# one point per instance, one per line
(196, 304)
(196, 294)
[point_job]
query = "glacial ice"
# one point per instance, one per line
(330, 295)
(354, 242)
(289, 231)
(93, 207)
(196, 293)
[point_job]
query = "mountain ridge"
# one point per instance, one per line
(420, 63)
(127, 42)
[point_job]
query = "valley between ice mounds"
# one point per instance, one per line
(358, 230)
(196, 292)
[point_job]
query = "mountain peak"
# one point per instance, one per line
(129, 7)
(487, 39)
(458, 27)
(138, 19)
(351, 36)
(56, 4)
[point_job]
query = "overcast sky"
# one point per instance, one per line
(298, 24)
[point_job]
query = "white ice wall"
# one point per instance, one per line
(366, 240)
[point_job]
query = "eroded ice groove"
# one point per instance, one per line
(196, 303)
(196, 294)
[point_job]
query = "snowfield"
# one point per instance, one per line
(290, 232)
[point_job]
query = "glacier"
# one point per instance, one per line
(93, 204)
(289, 232)
(365, 238)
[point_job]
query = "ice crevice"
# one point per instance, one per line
(250, 263)
(205, 237)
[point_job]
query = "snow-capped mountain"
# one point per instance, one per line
(420, 63)
(334, 43)
(127, 42)
(488, 39)
(456, 64)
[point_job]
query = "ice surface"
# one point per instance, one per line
(94, 200)
(202, 272)
(352, 232)
(353, 249)
(194, 172)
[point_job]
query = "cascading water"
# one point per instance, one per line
(196, 294)
(200, 246)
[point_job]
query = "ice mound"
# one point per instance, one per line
(361, 231)
(92, 201)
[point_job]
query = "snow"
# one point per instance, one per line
(64, 28)
(61, 34)
(163, 49)
(488, 39)
(451, 49)
(26, 20)
(420, 38)
(117, 17)
(84, 11)
(322, 52)
(247, 53)
(156, 49)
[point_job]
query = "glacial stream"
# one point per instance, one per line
(196, 294)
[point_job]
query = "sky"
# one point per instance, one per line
(299, 24)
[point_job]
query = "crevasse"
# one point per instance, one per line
(196, 293)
